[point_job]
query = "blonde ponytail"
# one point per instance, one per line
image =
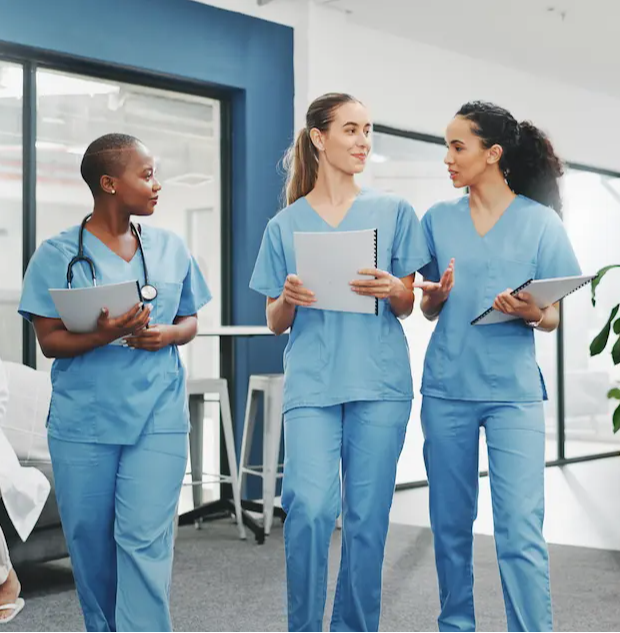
(301, 163)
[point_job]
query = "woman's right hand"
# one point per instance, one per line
(438, 292)
(130, 323)
(295, 294)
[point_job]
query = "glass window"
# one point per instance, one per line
(592, 217)
(183, 132)
(11, 106)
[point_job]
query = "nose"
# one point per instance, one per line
(448, 160)
(364, 142)
(156, 185)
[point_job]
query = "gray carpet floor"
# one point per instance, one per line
(223, 584)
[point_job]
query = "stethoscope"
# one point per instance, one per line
(147, 291)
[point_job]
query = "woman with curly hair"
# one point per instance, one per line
(505, 232)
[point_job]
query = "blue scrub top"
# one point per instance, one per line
(489, 362)
(336, 357)
(113, 394)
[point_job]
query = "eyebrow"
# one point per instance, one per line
(354, 124)
(457, 140)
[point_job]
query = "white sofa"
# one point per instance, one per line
(24, 426)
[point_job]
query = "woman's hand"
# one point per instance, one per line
(521, 305)
(295, 294)
(438, 292)
(154, 338)
(132, 322)
(383, 286)
(435, 294)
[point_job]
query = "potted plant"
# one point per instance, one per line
(600, 341)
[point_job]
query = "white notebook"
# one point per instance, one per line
(328, 262)
(79, 308)
(546, 292)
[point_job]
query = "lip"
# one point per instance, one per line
(155, 199)
(453, 174)
(361, 157)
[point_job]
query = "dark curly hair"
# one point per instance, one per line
(529, 162)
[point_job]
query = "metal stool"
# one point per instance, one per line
(197, 389)
(271, 385)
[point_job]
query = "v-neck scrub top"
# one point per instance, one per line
(489, 362)
(336, 357)
(114, 394)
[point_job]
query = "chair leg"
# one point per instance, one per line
(230, 452)
(196, 434)
(249, 422)
(271, 452)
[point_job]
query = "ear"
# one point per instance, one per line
(495, 154)
(317, 139)
(107, 185)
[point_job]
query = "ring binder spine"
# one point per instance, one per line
(514, 292)
(376, 265)
(585, 283)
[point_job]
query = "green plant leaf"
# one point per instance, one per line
(615, 352)
(597, 280)
(617, 419)
(600, 341)
(614, 393)
(617, 326)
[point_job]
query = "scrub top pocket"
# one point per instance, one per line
(166, 304)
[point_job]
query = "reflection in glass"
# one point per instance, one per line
(592, 217)
(11, 106)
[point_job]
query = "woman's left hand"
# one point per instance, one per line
(154, 338)
(521, 305)
(383, 286)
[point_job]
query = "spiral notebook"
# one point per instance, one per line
(546, 292)
(327, 262)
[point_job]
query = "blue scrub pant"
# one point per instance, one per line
(515, 434)
(117, 506)
(366, 439)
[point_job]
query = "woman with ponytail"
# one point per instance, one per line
(506, 231)
(347, 387)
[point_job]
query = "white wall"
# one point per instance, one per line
(293, 13)
(419, 87)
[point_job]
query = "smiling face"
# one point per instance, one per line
(346, 143)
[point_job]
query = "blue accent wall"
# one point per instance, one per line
(250, 58)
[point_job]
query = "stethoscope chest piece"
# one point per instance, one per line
(149, 293)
